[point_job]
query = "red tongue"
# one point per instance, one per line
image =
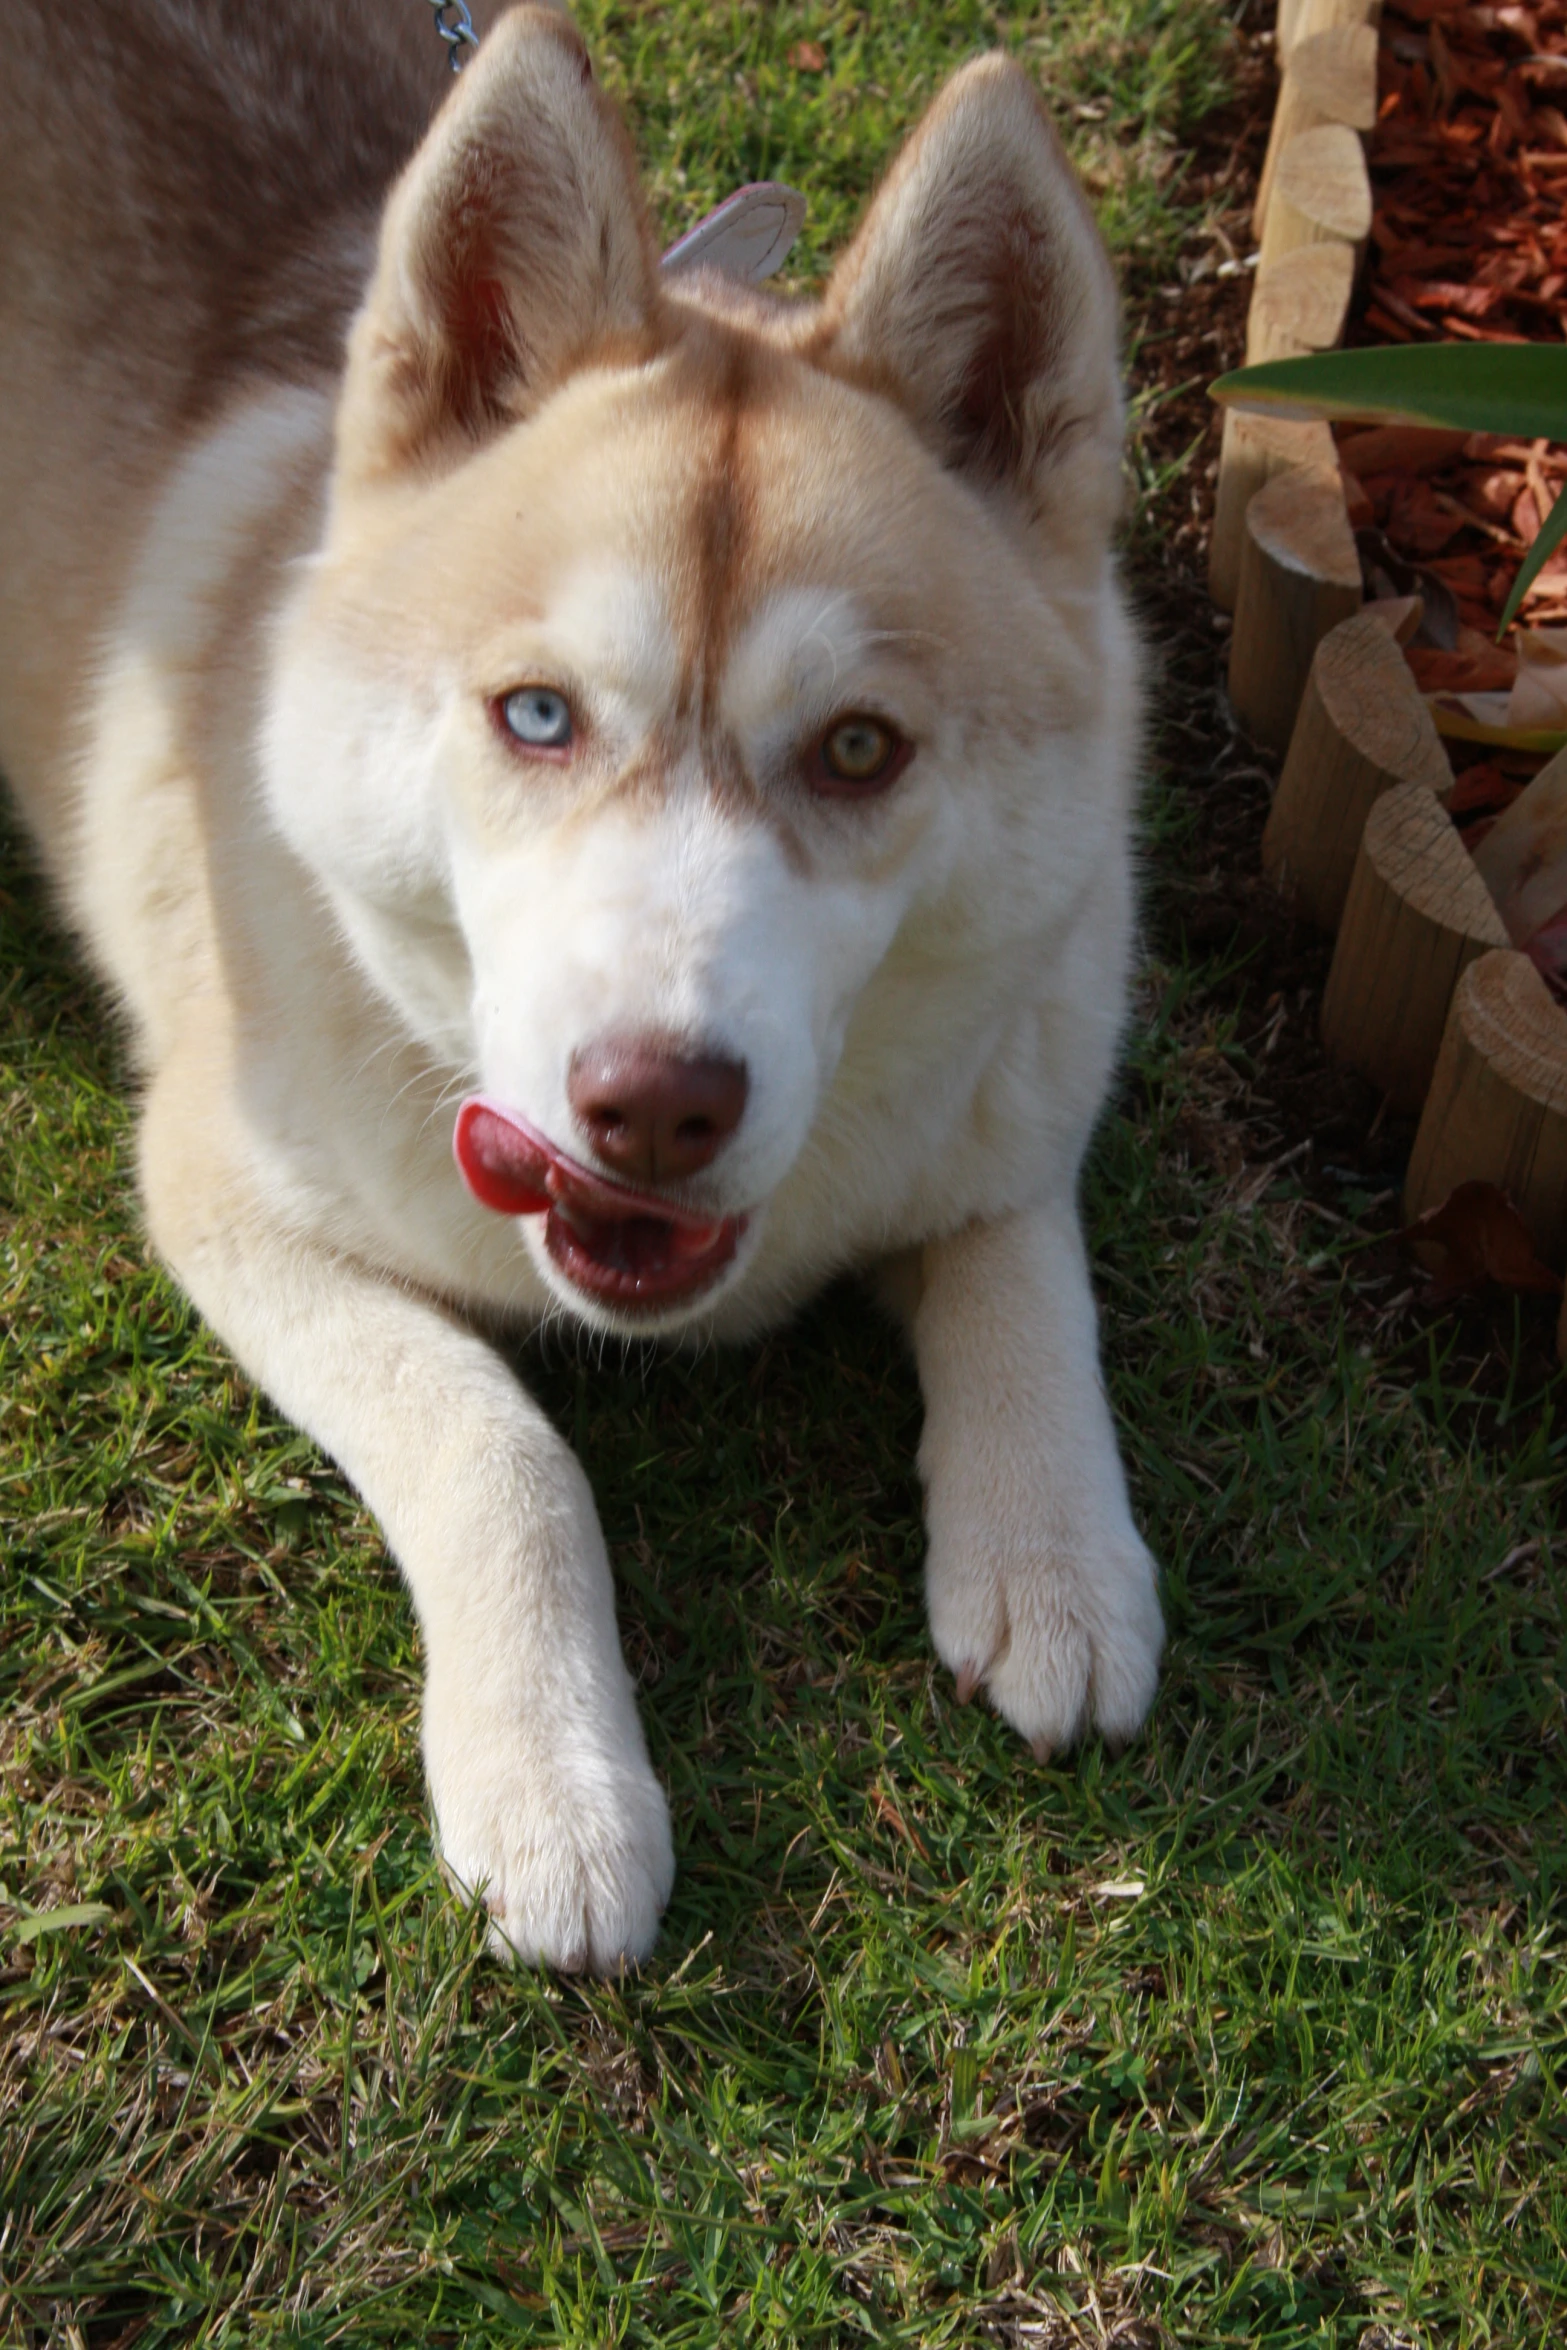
(509, 1166)
(631, 1251)
(502, 1166)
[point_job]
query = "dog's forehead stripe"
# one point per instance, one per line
(722, 516)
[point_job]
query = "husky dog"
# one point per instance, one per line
(599, 795)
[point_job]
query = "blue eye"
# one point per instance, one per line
(539, 717)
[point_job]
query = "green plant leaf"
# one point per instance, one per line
(1519, 389)
(1551, 533)
(1457, 726)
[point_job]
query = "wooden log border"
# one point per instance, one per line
(1425, 997)
(1312, 218)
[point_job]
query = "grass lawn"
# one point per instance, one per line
(1253, 2035)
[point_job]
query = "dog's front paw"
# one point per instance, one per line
(567, 1841)
(1064, 1637)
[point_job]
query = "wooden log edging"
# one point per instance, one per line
(1497, 1108)
(1300, 304)
(1321, 195)
(1253, 451)
(1362, 729)
(1298, 20)
(1425, 997)
(1312, 215)
(1329, 79)
(1319, 203)
(1417, 915)
(1299, 577)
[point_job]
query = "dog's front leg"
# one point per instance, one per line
(1037, 1580)
(543, 1792)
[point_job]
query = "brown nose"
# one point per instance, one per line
(653, 1115)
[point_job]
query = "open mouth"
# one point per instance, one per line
(627, 1248)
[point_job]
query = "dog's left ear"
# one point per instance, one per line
(513, 249)
(978, 295)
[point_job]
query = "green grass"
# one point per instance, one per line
(1253, 2035)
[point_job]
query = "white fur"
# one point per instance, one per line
(910, 1072)
(335, 900)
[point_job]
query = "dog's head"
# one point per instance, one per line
(698, 712)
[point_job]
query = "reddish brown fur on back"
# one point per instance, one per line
(218, 118)
(189, 192)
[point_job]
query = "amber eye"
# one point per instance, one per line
(859, 752)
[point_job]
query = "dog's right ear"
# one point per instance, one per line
(513, 248)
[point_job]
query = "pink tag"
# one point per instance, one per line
(749, 235)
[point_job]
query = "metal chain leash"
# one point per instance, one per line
(455, 27)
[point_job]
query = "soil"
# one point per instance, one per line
(1210, 896)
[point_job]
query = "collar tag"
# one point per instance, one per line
(749, 235)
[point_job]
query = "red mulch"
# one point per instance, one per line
(1468, 158)
(1468, 242)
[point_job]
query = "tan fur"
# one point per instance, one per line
(310, 466)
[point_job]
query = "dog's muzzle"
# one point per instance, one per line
(627, 1249)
